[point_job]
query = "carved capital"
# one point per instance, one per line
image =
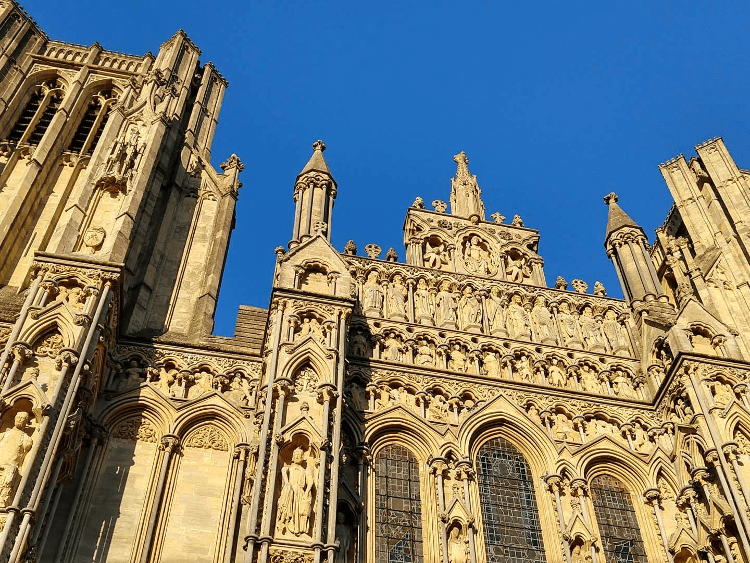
(21, 352)
(652, 496)
(169, 443)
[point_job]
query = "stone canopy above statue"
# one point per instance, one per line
(463, 241)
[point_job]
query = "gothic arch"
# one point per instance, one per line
(624, 465)
(27, 88)
(417, 436)
(310, 354)
(200, 413)
(148, 404)
(57, 321)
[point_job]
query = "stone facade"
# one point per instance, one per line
(450, 408)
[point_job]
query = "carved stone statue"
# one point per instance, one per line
(424, 304)
(15, 443)
(522, 367)
(458, 550)
(445, 307)
(544, 323)
(491, 364)
(435, 256)
(343, 539)
(592, 339)
(132, 376)
(294, 502)
(392, 348)
(470, 310)
(457, 361)
(589, 380)
(518, 319)
(495, 317)
(568, 325)
(517, 270)
(372, 296)
(723, 396)
(622, 385)
(614, 332)
(396, 299)
(556, 376)
(476, 258)
(425, 356)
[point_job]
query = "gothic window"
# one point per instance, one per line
(37, 114)
(621, 537)
(512, 532)
(92, 124)
(398, 512)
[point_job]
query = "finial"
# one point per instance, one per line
(462, 160)
(319, 145)
(610, 198)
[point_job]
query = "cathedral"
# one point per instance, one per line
(451, 407)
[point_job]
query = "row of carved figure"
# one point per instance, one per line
(185, 384)
(520, 366)
(512, 315)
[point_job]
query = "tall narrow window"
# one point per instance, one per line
(398, 509)
(37, 114)
(621, 537)
(92, 123)
(512, 532)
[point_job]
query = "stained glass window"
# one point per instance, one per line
(512, 532)
(398, 508)
(621, 537)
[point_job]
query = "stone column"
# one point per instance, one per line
(410, 285)
(21, 353)
(652, 498)
(282, 387)
(240, 453)
(465, 472)
(580, 488)
(169, 444)
(553, 484)
(730, 450)
(19, 322)
(685, 501)
(364, 461)
(437, 468)
(326, 394)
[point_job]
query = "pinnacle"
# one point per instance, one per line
(317, 163)
(617, 218)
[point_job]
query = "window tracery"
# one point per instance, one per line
(618, 525)
(398, 512)
(512, 532)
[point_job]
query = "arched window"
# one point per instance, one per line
(621, 537)
(512, 532)
(37, 114)
(92, 123)
(398, 508)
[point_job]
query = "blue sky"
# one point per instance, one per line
(555, 103)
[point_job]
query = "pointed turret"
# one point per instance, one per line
(626, 242)
(466, 197)
(314, 193)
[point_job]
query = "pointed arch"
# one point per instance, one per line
(619, 530)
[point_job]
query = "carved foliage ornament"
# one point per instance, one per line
(207, 437)
(137, 428)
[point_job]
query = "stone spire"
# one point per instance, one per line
(314, 192)
(627, 247)
(466, 197)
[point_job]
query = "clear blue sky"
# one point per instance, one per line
(555, 103)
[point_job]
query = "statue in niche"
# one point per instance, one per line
(683, 409)
(578, 555)
(522, 367)
(396, 299)
(132, 376)
(614, 332)
(343, 538)
(556, 375)
(311, 326)
(622, 385)
(543, 321)
(392, 348)
(533, 413)
(73, 295)
(202, 385)
(640, 439)
(383, 398)
(458, 549)
(424, 304)
(563, 429)
(518, 319)
(495, 305)
(406, 398)
(470, 310)
(295, 500)
(568, 324)
(166, 381)
(723, 395)
(517, 270)
(15, 443)
(359, 345)
(239, 391)
(491, 364)
(590, 380)
(438, 409)
(435, 256)
(425, 356)
(476, 258)
(357, 396)
(590, 329)
(372, 295)
(445, 307)
(457, 359)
